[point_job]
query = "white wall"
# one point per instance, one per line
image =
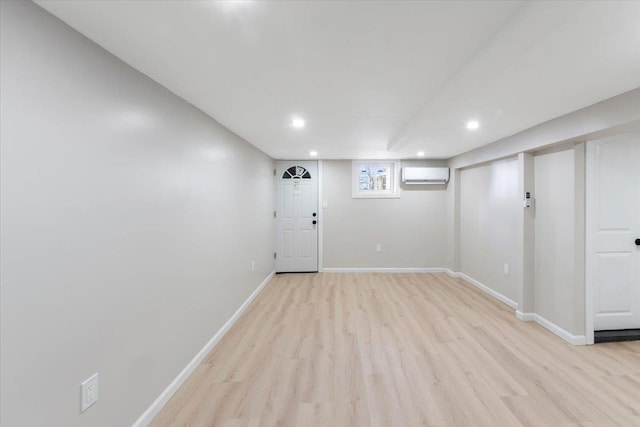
(609, 117)
(411, 229)
(491, 234)
(489, 207)
(559, 297)
(558, 302)
(129, 222)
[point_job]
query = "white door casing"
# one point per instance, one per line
(296, 212)
(613, 210)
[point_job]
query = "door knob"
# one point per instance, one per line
(314, 223)
(314, 214)
(637, 242)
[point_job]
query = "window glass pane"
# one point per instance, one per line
(365, 182)
(296, 172)
(382, 178)
(374, 178)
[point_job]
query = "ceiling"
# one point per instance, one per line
(382, 79)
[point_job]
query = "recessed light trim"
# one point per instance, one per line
(298, 123)
(420, 153)
(313, 153)
(473, 124)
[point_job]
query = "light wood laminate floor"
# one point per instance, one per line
(401, 350)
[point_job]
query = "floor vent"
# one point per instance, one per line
(617, 335)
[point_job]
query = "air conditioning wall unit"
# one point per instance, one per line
(415, 175)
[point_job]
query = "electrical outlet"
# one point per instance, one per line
(88, 392)
(378, 247)
(506, 269)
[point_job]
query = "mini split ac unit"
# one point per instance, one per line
(413, 175)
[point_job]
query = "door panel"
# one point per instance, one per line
(296, 202)
(287, 246)
(307, 244)
(615, 271)
(615, 261)
(287, 206)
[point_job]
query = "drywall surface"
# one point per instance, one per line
(613, 116)
(129, 223)
(411, 229)
(604, 118)
(489, 208)
(555, 282)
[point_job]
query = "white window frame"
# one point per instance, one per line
(392, 193)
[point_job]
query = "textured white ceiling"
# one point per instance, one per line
(380, 79)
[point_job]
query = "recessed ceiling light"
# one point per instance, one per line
(420, 153)
(473, 124)
(313, 153)
(297, 123)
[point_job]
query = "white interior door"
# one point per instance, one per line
(296, 216)
(614, 261)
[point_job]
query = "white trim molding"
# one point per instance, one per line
(497, 295)
(552, 327)
(383, 270)
(320, 217)
(392, 193)
(589, 243)
(525, 317)
(145, 419)
(153, 410)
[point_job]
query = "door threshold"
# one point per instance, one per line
(616, 335)
(295, 272)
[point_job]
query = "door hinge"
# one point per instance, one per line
(274, 172)
(274, 255)
(274, 214)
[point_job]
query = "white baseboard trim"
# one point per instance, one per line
(497, 295)
(153, 410)
(469, 279)
(526, 317)
(553, 328)
(383, 270)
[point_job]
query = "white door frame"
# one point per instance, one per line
(590, 225)
(319, 216)
(320, 220)
(591, 195)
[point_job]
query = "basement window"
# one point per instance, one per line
(373, 179)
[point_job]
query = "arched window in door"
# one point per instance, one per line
(296, 172)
